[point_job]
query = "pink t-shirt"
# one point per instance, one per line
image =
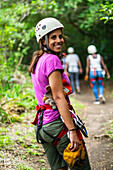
(47, 63)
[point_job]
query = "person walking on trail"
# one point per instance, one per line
(74, 67)
(55, 129)
(63, 60)
(94, 66)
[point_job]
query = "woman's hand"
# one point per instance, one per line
(74, 140)
(108, 76)
(67, 73)
(80, 70)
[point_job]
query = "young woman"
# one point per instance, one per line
(94, 69)
(73, 65)
(47, 73)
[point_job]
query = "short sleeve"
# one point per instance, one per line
(51, 64)
(89, 57)
(77, 57)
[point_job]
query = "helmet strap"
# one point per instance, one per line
(47, 43)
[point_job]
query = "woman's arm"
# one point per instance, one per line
(87, 66)
(66, 69)
(55, 82)
(87, 69)
(105, 68)
(80, 66)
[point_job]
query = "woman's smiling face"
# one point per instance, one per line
(56, 40)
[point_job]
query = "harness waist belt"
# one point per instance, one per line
(39, 109)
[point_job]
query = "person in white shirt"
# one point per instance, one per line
(73, 68)
(94, 66)
(63, 59)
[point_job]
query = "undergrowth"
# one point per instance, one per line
(16, 98)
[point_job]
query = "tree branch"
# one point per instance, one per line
(24, 16)
(80, 30)
(18, 64)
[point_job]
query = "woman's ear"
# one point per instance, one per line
(44, 42)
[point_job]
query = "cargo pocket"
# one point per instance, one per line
(46, 137)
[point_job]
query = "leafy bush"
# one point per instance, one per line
(109, 129)
(16, 98)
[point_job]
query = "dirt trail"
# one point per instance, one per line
(99, 145)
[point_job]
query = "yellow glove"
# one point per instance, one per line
(86, 78)
(76, 157)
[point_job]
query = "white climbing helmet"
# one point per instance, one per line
(91, 49)
(45, 26)
(70, 50)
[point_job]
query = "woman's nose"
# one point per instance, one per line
(58, 39)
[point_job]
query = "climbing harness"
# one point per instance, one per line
(77, 121)
(58, 137)
(40, 109)
(72, 158)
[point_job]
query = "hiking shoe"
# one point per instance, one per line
(102, 98)
(78, 90)
(97, 102)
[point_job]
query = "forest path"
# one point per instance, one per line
(97, 118)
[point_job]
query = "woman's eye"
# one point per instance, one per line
(61, 36)
(53, 37)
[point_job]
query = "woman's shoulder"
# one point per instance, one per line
(50, 57)
(49, 60)
(47, 55)
(89, 56)
(98, 55)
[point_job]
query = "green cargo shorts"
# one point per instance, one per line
(55, 154)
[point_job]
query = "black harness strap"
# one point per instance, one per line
(39, 125)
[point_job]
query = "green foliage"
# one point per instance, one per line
(1, 156)
(41, 160)
(80, 18)
(23, 167)
(5, 141)
(107, 10)
(78, 107)
(9, 141)
(81, 14)
(4, 117)
(14, 33)
(16, 98)
(109, 129)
